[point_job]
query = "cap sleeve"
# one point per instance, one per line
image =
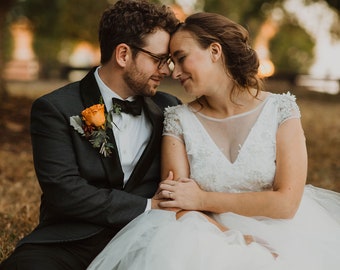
(288, 108)
(172, 123)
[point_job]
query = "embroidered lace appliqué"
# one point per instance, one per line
(287, 107)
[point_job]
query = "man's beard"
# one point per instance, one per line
(138, 82)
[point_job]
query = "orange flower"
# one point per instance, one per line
(94, 116)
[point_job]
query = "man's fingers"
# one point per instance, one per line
(168, 204)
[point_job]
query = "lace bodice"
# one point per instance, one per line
(249, 164)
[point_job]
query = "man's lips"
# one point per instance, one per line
(157, 79)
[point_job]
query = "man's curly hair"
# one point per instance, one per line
(129, 21)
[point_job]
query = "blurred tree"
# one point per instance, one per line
(61, 22)
(333, 3)
(250, 13)
(64, 22)
(291, 48)
(245, 11)
(5, 7)
(61, 26)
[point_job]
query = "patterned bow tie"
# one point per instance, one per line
(130, 107)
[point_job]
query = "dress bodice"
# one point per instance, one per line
(253, 168)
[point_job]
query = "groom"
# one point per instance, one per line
(97, 170)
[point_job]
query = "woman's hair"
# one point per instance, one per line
(240, 60)
(129, 21)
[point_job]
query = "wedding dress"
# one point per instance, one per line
(236, 154)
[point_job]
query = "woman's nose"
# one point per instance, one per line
(175, 73)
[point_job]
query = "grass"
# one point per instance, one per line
(20, 193)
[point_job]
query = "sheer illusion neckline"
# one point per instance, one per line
(243, 114)
(230, 134)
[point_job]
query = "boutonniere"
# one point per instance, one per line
(92, 124)
(116, 109)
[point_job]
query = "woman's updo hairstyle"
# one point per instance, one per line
(241, 61)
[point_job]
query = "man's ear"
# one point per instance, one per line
(215, 51)
(122, 54)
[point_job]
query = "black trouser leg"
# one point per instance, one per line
(76, 255)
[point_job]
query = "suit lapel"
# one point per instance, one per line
(90, 95)
(89, 90)
(156, 118)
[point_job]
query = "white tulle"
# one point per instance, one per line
(156, 240)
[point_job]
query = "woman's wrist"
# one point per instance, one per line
(204, 201)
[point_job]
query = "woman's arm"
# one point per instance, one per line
(174, 164)
(281, 202)
(174, 158)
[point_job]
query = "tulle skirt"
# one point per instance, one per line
(156, 240)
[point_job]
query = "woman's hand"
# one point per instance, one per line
(159, 196)
(183, 193)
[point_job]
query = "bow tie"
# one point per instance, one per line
(130, 107)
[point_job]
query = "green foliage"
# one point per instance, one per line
(292, 49)
(84, 17)
(335, 4)
(7, 44)
(60, 25)
(244, 12)
(64, 19)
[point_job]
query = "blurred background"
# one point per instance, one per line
(298, 40)
(45, 44)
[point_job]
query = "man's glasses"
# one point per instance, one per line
(161, 60)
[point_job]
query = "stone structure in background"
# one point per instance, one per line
(23, 65)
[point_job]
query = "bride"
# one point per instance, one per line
(235, 164)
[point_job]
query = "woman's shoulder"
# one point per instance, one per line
(284, 100)
(173, 120)
(286, 105)
(283, 97)
(176, 110)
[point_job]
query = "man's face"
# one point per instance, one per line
(145, 72)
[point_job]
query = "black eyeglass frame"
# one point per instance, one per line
(162, 60)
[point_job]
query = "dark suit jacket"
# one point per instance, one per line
(83, 191)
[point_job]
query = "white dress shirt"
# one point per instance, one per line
(132, 133)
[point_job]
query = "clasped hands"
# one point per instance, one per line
(184, 195)
(177, 195)
(181, 196)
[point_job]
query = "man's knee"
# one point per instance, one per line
(25, 263)
(38, 257)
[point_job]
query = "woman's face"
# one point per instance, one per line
(193, 65)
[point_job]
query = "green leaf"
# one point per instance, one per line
(76, 123)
